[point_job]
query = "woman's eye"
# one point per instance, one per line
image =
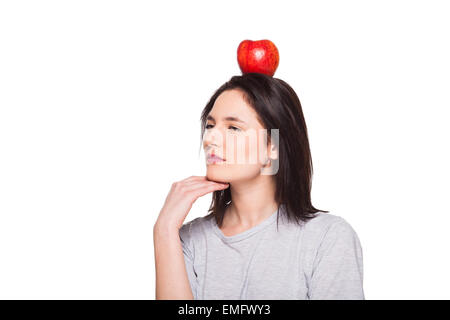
(208, 126)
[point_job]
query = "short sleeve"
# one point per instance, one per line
(338, 265)
(188, 252)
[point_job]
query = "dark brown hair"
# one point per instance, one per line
(278, 107)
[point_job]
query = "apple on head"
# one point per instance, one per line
(259, 56)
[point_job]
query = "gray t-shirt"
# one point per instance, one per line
(321, 259)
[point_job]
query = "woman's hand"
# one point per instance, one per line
(181, 197)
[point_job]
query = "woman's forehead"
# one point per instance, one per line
(231, 103)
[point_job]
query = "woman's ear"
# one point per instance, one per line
(270, 167)
(273, 152)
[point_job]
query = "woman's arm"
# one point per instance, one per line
(171, 277)
(172, 282)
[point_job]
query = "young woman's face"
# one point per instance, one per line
(240, 140)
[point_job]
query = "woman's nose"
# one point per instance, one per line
(211, 137)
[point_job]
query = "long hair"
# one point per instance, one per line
(278, 107)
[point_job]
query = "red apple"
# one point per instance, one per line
(258, 56)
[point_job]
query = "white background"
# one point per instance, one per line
(100, 104)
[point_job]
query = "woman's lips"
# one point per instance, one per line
(212, 158)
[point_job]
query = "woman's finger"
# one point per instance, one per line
(202, 184)
(200, 190)
(195, 178)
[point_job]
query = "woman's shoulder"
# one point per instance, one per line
(323, 220)
(192, 227)
(328, 226)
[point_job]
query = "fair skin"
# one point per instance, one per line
(172, 282)
(252, 193)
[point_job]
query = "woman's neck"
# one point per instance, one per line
(251, 202)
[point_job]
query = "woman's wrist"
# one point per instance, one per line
(165, 227)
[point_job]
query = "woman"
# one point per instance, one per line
(237, 251)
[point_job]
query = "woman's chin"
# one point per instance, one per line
(216, 175)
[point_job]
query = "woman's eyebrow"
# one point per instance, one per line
(228, 118)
